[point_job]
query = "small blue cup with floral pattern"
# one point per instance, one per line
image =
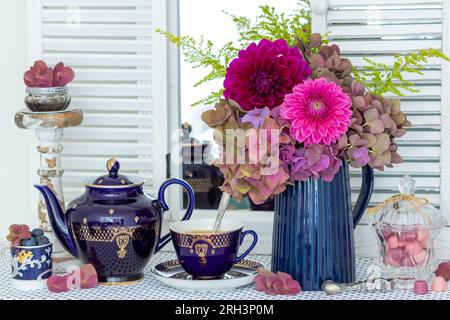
(30, 266)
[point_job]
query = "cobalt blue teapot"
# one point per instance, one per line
(114, 225)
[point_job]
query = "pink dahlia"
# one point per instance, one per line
(319, 112)
(264, 73)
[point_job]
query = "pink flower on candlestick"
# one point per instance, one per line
(264, 73)
(319, 112)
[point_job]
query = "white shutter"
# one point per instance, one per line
(378, 29)
(121, 84)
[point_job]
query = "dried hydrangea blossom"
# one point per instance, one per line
(376, 121)
(17, 233)
(279, 283)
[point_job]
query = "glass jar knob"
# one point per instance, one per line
(407, 185)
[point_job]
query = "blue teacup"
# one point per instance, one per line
(205, 255)
(30, 266)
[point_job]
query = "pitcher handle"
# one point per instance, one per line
(191, 200)
(365, 194)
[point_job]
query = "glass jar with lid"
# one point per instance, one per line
(407, 227)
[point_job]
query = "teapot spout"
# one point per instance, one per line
(58, 219)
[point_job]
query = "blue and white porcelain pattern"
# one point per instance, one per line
(151, 289)
(30, 266)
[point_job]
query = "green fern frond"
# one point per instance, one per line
(210, 100)
(203, 54)
(380, 78)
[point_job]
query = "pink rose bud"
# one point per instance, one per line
(421, 287)
(439, 285)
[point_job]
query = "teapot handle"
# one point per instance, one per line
(364, 195)
(191, 197)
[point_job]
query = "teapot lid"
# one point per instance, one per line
(113, 178)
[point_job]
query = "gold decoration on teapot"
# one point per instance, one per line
(122, 242)
(98, 234)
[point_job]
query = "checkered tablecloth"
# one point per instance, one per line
(151, 289)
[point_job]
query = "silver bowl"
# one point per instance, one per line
(47, 99)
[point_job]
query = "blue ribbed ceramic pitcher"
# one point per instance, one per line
(313, 229)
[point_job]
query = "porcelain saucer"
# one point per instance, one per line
(171, 273)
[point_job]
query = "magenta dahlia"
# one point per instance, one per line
(264, 73)
(319, 112)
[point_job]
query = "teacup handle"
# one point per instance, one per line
(6, 257)
(255, 240)
(191, 201)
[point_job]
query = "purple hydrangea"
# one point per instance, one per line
(315, 161)
(257, 117)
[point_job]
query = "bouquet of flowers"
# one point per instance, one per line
(303, 105)
(292, 108)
